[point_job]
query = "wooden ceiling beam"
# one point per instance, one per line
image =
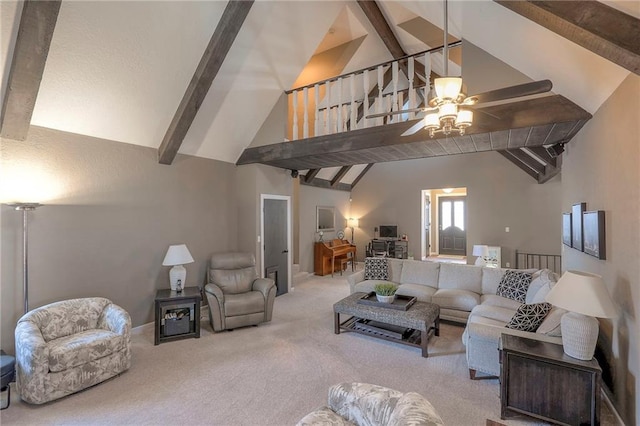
(361, 175)
(603, 30)
(379, 22)
(338, 177)
(311, 175)
(325, 184)
(509, 156)
(219, 45)
(35, 32)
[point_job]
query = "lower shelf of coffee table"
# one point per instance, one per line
(393, 333)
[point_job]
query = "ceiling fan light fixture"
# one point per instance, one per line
(447, 111)
(464, 118)
(448, 88)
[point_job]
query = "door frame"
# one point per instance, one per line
(286, 198)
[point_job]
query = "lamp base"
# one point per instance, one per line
(176, 273)
(579, 335)
(480, 261)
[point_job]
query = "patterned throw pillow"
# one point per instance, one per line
(514, 285)
(376, 268)
(529, 317)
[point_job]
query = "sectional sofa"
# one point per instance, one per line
(467, 294)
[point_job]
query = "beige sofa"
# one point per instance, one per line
(467, 294)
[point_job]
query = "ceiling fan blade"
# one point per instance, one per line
(402, 111)
(414, 129)
(516, 91)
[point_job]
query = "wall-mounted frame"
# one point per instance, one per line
(325, 219)
(594, 236)
(576, 225)
(566, 229)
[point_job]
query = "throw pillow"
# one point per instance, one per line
(529, 317)
(514, 285)
(551, 324)
(376, 268)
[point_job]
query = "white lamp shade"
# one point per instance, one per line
(177, 255)
(431, 121)
(353, 223)
(447, 111)
(448, 87)
(465, 118)
(583, 293)
(480, 250)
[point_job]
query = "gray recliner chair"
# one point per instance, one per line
(235, 294)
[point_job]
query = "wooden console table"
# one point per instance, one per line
(538, 379)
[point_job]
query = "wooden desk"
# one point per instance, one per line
(538, 379)
(327, 255)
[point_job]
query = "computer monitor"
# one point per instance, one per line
(388, 231)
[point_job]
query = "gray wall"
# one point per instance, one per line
(602, 168)
(309, 198)
(108, 229)
(498, 195)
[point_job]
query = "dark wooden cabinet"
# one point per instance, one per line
(177, 314)
(538, 379)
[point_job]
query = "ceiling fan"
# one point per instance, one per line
(450, 110)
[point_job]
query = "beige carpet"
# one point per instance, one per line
(273, 374)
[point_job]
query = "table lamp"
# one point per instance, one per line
(481, 251)
(176, 256)
(585, 296)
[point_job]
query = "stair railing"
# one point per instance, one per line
(341, 103)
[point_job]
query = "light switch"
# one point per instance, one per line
(507, 265)
(259, 238)
(506, 229)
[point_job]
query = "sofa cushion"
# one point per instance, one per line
(367, 286)
(542, 279)
(497, 313)
(418, 272)
(529, 317)
(413, 409)
(423, 293)
(463, 300)
(375, 268)
(395, 267)
(551, 324)
(514, 285)
(491, 278)
(502, 302)
(460, 277)
(251, 302)
(81, 348)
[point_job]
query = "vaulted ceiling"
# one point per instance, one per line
(125, 70)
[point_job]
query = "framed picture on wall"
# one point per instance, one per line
(594, 237)
(566, 229)
(576, 225)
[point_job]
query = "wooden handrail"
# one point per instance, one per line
(373, 67)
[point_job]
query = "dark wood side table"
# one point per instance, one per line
(177, 314)
(538, 379)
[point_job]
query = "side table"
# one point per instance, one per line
(538, 379)
(177, 315)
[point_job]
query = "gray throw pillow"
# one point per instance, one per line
(529, 317)
(376, 268)
(514, 285)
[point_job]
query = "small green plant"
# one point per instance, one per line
(385, 289)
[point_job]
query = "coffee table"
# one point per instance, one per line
(412, 327)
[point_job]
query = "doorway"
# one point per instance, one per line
(276, 240)
(451, 225)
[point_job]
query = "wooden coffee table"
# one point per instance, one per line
(412, 327)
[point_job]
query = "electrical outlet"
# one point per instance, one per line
(507, 265)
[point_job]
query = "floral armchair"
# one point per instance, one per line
(67, 346)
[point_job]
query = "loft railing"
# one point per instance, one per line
(341, 103)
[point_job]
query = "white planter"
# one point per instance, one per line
(385, 299)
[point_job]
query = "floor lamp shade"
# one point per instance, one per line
(585, 296)
(481, 251)
(176, 256)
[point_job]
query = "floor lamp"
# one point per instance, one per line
(25, 208)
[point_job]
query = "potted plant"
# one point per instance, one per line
(385, 292)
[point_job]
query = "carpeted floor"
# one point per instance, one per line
(273, 374)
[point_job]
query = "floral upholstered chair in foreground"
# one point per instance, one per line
(363, 404)
(236, 296)
(67, 346)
